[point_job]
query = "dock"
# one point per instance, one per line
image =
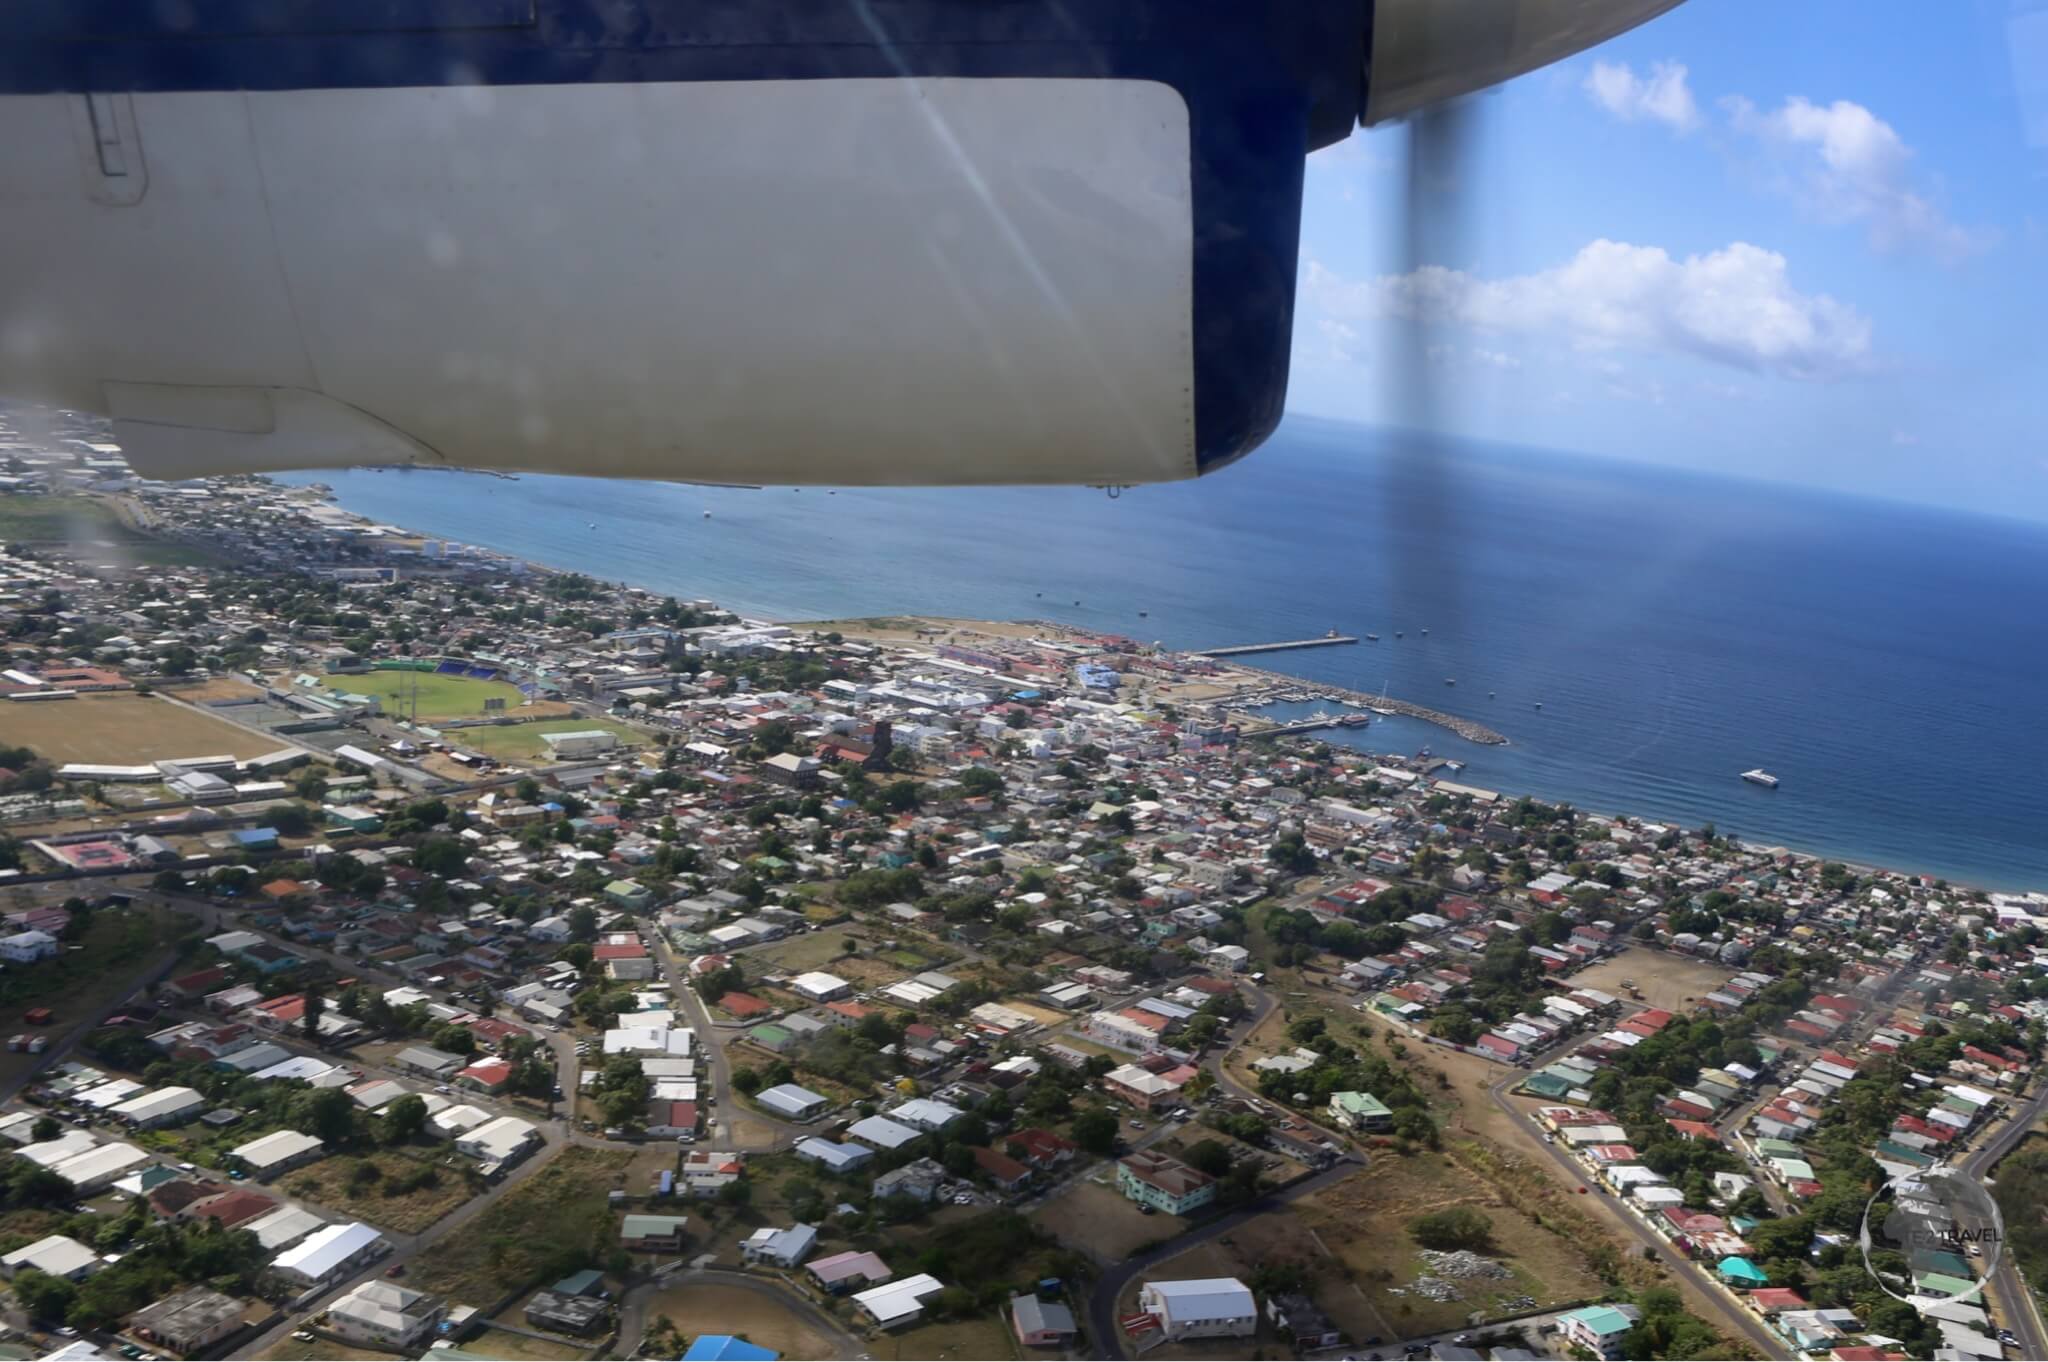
(1240, 649)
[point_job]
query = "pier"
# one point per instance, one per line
(1239, 649)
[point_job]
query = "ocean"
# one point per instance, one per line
(1888, 662)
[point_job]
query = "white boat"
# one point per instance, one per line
(1761, 777)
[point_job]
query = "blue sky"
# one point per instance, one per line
(1803, 242)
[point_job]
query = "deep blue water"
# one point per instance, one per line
(1887, 662)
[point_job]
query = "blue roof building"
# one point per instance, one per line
(726, 1348)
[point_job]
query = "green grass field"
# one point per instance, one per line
(521, 742)
(557, 1215)
(89, 529)
(441, 697)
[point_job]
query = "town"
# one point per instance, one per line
(415, 952)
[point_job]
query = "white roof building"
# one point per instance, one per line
(898, 1303)
(881, 1132)
(499, 1140)
(792, 1101)
(97, 1168)
(50, 1153)
(458, 1120)
(925, 1113)
(57, 1254)
(157, 1108)
(384, 1314)
(821, 987)
(283, 1227)
(279, 1149)
(378, 1092)
(1202, 1306)
(647, 1040)
(327, 1254)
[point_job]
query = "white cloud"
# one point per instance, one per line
(1499, 359)
(1735, 306)
(1662, 96)
(1849, 165)
(1342, 339)
(1905, 439)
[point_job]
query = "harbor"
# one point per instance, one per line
(1284, 687)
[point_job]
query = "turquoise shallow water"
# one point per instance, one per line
(1887, 662)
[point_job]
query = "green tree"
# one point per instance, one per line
(1094, 1130)
(43, 1296)
(290, 820)
(404, 1119)
(1209, 1156)
(326, 1113)
(1456, 1227)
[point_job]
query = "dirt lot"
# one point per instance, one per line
(503, 1343)
(1099, 1221)
(930, 628)
(1362, 1223)
(1038, 1012)
(499, 1248)
(709, 1307)
(216, 688)
(124, 729)
(983, 1338)
(1667, 981)
(328, 1184)
(323, 1350)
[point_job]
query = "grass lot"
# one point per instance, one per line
(1362, 1222)
(521, 742)
(985, 1337)
(808, 951)
(440, 697)
(711, 1307)
(90, 531)
(124, 729)
(327, 1183)
(558, 1211)
(79, 984)
(1102, 1223)
(30, 1223)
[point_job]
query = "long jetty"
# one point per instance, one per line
(1464, 728)
(1239, 649)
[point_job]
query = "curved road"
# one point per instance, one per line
(1110, 1285)
(2022, 1311)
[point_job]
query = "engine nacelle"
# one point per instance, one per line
(801, 241)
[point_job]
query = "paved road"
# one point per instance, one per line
(717, 1070)
(1737, 1322)
(2009, 1290)
(1102, 1311)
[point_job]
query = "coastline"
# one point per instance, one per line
(903, 629)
